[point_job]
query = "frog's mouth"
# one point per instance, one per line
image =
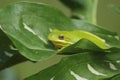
(61, 43)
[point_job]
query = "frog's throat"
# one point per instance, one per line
(61, 43)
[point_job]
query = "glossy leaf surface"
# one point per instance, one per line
(28, 25)
(84, 66)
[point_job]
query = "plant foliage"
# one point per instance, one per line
(24, 34)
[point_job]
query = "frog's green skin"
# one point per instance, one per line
(63, 38)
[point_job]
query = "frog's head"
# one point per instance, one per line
(60, 38)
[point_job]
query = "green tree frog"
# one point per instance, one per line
(63, 38)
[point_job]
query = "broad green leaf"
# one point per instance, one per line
(84, 66)
(28, 25)
(83, 9)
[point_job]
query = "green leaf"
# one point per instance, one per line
(28, 25)
(84, 66)
(82, 9)
(114, 55)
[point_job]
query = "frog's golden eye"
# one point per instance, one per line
(61, 37)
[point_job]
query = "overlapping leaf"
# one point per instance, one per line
(28, 25)
(84, 66)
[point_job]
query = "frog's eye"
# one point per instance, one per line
(61, 37)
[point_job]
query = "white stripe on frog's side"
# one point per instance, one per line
(92, 70)
(76, 76)
(30, 30)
